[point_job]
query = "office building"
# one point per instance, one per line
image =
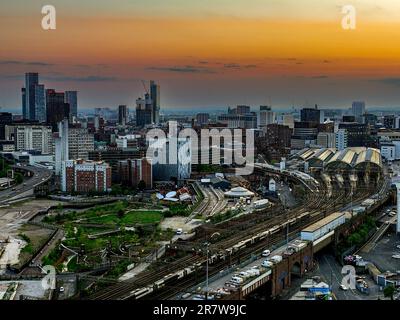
(287, 120)
(155, 99)
(266, 116)
(71, 97)
(57, 109)
(144, 111)
(341, 139)
(72, 143)
(112, 156)
(30, 137)
(84, 176)
(40, 104)
(358, 110)
(358, 134)
(31, 81)
(61, 145)
(326, 139)
(311, 115)
(132, 171)
(175, 159)
(202, 119)
(122, 115)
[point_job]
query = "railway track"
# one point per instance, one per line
(322, 206)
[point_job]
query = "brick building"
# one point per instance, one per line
(132, 171)
(85, 176)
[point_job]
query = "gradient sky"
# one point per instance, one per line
(205, 53)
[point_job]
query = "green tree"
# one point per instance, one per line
(19, 178)
(389, 292)
(141, 185)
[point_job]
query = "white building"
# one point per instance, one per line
(326, 139)
(388, 151)
(341, 139)
(266, 116)
(31, 137)
(128, 141)
(72, 143)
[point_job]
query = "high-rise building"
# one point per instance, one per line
(122, 115)
(144, 111)
(389, 122)
(358, 134)
(5, 119)
(155, 98)
(33, 98)
(241, 109)
(358, 110)
(40, 103)
(132, 171)
(85, 176)
(57, 109)
(202, 119)
(31, 80)
(326, 139)
(176, 165)
(288, 120)
(71, 97)
(311, 115)
(29, 137)
(61, 145)
(341, 139)
(266, 116)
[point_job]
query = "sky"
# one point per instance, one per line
(205, 53)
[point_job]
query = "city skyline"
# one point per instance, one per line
(206, 54)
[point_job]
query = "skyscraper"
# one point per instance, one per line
(57, 109)
(266, 116)
(122, 115)
(358, 110)
(71, 97)
(144, 111)
(155, 97)
(40, 103)
(31, 80)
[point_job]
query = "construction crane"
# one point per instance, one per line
(144, 86)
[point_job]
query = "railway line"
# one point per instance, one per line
(162, 282)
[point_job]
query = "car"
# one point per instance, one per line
(62, 289)
(266, 253)
(179, 231)
(343, 287)
(396, 256)
(267, 264)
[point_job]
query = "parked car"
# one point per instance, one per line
(267, 264)
(266, 253)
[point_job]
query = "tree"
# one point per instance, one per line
(141, 185)
(18, 177)
(389, 291)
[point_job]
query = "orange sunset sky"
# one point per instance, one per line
(205, 53)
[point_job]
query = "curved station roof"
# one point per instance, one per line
(350, 158)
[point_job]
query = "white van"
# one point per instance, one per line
(237, 280)
(179, 231)
(276, 259)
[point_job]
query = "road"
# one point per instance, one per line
(39, 176)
